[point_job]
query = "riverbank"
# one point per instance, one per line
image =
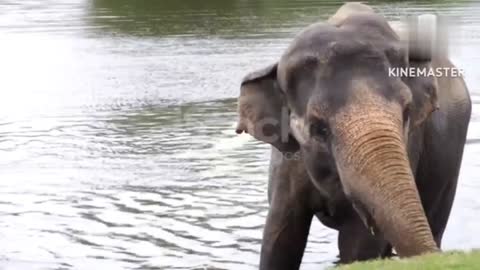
(444, 261)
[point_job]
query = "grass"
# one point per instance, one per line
(441, 261)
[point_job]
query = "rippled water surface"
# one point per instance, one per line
(117, 148)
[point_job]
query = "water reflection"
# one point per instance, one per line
(210, 17)
(234, 18)
(145, 197)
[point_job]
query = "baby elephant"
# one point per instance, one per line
(372, 155)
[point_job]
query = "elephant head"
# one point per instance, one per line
(331, 96)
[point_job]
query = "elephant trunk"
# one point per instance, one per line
(375, 172)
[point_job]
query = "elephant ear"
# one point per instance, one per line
(424, 94)
(262, 110)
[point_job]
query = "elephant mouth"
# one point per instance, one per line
(366, 218)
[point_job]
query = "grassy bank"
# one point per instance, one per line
(443, 261)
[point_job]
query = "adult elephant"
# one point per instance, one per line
(372, 155)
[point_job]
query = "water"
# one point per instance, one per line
(117, 144)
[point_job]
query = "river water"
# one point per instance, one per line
(117, 143)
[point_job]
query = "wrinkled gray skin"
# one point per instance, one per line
(373, 156)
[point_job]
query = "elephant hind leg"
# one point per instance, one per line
(437, 179)
(438, 215)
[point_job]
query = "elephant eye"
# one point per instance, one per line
(319, 129)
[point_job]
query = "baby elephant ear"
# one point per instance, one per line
(262, 110)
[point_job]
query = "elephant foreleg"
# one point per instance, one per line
(285, 235)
